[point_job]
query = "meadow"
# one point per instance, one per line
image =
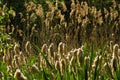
(60, 40)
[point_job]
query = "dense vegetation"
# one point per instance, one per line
(59, 39)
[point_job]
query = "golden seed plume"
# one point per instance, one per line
(19, 75)
(28, 47)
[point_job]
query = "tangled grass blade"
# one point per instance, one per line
(46, 59)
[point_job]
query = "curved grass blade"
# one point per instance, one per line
(46, 59)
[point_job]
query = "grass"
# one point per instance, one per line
(57, 42)
(90, 70)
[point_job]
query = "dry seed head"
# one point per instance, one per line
(22, 58)
(106, 13)
(16, 61)
(39, 11)
(114, 4)
(100, 20)
(106, 68)
(19, 75)
(44, 48)
(111, 46)
(73, 5)
(9, 68)
(115, 50)
(5, 59)
(61, 48)
(57, 65)
(113, 63)
(64, 6)
(51, 50)
(28, 47)
(30, 6)
(63, 63)
(16, 49)
(56, 56)
(95, 61)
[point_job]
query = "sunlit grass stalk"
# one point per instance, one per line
(46, 59)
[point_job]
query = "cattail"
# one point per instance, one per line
(19, 75)
(28, 47)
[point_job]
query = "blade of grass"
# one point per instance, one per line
(91, 55)
(46, 59)
(85, 70)
(44, 75)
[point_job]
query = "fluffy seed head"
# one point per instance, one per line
(115, 49)
(44, 48)
(111, 46)
(16, 48)
(57, 65)
(28, 47)
(19, 75)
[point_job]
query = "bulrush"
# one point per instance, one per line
(28, 47)
(19, 75)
